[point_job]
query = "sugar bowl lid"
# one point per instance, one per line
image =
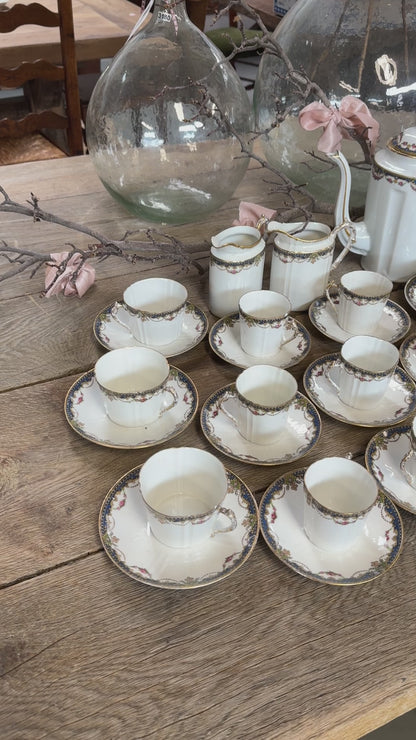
(404, 143)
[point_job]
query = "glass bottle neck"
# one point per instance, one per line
(169, 10)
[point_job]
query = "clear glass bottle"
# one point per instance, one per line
(164, 121)
(365, 48)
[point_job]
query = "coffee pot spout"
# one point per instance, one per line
(361, 239)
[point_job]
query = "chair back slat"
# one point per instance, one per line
(31, 123)
(41, 69)
(28, 73)
(22, 15)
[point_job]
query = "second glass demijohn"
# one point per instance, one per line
(165, 119)
(364, 48)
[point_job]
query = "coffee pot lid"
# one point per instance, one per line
(404, 143)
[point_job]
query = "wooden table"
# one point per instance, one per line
(89, 653)
(101, 28)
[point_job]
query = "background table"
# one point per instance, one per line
(101, 27)
(89, 653)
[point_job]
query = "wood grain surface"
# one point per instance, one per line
(85, 651)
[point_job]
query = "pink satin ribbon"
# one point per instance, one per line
(352, 114)
(64, 283)
(249, 214)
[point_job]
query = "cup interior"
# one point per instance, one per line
(265, 304)
(155, 295)
(367, 284)
(265, 385)
(238, 243)
(183, 482)
(131, 370)
(313, 236)
(341, 486)
(370, 354)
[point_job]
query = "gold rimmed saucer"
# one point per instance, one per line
(85, 413)
(129, 543)
(397, 404)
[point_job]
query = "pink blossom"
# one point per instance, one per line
(65, 282)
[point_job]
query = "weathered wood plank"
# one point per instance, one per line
(106, 657)
(87, 652)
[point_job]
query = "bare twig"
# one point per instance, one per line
(153, 247)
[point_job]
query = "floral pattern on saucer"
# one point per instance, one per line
(301, 435)
(281, 522)
(129, 543)
(111, 335)
(408, 355)
(84, 411)
(394, 325)
(383, 456)
(410, 292)
(224, 339)
(398, 403)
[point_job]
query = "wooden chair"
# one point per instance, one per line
(61, 128)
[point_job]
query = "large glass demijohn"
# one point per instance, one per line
(365, 48)
(164, 121)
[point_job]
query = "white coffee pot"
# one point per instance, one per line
(387, 236)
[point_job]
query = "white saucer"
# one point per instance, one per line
(281, 522)
(397, 404)
(300, 436)
(84, 411)
(394, 325)
(410, 292)
(129, 543)
(408, 355)
(112, 335)
(383, 456)
(224, 339)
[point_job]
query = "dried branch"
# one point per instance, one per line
(154, 247)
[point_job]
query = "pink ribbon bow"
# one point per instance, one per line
(65, 283)
(352, 114)
(249, 214)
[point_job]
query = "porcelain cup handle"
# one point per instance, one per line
(233, 521)
(411, 479)
(329, 297)
(172, 403)
(226, 411)
(327, 372)
(291, 326)
(114, 314)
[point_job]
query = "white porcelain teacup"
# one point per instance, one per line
(408, 462)
(153, 310)
(362, 373)
(134, 385)
(265, 324)
(259, 409)
(183, 490)
(339, 494)
(362, 296)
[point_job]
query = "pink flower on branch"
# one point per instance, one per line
(69, 275)
(352, 117)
